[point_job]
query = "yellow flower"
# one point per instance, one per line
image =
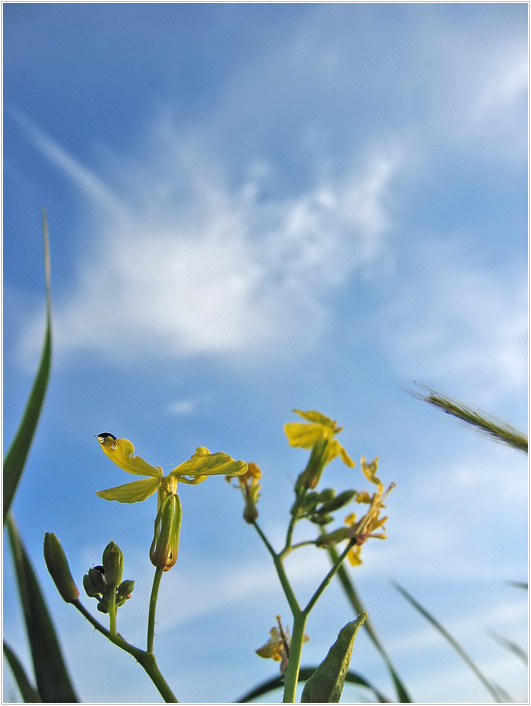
(277, 647)
(318, 435)
(318, 428)
(201, 465)
(366, 527)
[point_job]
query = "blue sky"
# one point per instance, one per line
(254, 208)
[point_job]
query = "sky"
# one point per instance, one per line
(255, 208)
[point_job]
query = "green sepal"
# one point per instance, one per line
(326, 683)
(165, 546)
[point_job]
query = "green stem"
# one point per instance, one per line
(294, 662)
(284, 581)
(301, 494)
(330, 575)
(145, 659)
(153, 608)
(112, 611)
(299, 623)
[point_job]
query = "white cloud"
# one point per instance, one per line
(199, 266)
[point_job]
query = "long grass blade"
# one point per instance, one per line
(355, 600)
(304, 674)
(51, 675)
(510, 645)
(19, 449)
(28, 692)
(486, 683)
(496, 429)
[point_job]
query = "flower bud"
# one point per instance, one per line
(328, 540)
(113, 564)
(94, 582)
(339, 501)
(57, 564)
(123, 592)
(165, 545)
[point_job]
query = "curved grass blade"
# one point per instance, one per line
(28, 692)
(304, 674)
(510, 645)
(353, 597)
(19, 449)
(483, 679)
(496, 429)
(51, 675)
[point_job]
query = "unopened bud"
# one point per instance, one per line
(94, 582)
(165, 545)
(124, 591)
(328, 540)
(113, 564)
(339, 501)
(57, 564)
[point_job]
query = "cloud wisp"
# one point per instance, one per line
(197, 266)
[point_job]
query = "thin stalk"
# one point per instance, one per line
(289, 535)
(330, 575)
(147, 660)
(153, 608)
(112, 612)
(284, 581)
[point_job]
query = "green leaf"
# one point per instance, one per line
(326, 683)
(28, 692)
(488, 685)
(304, 674)
(51, 675)
(355, 601)
(19, 449)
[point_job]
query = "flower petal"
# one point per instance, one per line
(133, 492)
(305, 435)
(318, 418)
(203, 463)
(121, 451)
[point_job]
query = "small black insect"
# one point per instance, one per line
(104, 435)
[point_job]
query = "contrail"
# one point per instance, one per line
(87, 182)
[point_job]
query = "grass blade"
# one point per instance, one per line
(19, 449)
(355, 600)
(486, 683)
(304, 674)
(51, 675)
(496, 429)
(510, 645)
(28, 692)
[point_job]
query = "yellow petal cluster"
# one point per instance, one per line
(201, 465)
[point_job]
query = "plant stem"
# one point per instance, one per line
(153, 608)
(301, 494)
(299, 623)
(147, 660)
(284, 581)
(330, 575)
(294, 662)
(112, 611)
